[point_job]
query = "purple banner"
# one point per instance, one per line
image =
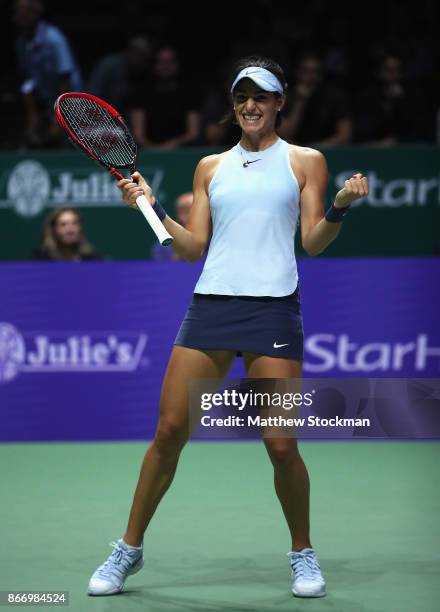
(83, 347)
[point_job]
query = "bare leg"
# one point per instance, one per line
(160, 461)
(290, 474)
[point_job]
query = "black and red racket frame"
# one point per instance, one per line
(115, 115)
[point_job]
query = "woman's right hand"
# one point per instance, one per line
(132, 189)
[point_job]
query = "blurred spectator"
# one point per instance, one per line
(183, 206)
(388, 112)
(335, 57)
(406, 32)
(165, 112)
(48, 68)
(217, 120)
(215, 106)
(317, 112)
(114, 75)
(11, 119)
(63, 238)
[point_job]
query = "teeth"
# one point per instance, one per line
(251, 117)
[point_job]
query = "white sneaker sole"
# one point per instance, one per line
(134, 570)
(304, 596)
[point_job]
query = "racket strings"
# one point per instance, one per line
(103, 134)
(99, 131)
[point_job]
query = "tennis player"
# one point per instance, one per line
(248, 200)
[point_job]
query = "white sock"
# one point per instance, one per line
(132, 547)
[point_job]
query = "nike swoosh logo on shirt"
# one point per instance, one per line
(252, 161)
(275, 345)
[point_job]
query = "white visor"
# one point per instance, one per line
(261, 77)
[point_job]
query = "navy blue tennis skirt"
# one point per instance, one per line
(262, 325)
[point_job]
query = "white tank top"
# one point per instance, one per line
(254, 212)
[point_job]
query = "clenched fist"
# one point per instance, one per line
(354, 188)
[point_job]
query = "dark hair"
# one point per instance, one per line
(260, 62)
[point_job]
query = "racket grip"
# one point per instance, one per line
(155, 223)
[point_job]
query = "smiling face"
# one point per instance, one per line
(256, 110)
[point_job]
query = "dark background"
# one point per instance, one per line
(209, 35)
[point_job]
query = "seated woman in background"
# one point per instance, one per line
(63, 238)
(164, 110)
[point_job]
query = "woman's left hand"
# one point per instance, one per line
(354, 188)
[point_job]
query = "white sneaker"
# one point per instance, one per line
(109, 578)
(306, 574)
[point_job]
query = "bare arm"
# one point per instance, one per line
(190, 242)
(342, 135)
(138, 122)
(316, 232)
(192, 129)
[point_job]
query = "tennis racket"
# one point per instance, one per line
(100, 132)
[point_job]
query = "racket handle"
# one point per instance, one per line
(155, 223)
